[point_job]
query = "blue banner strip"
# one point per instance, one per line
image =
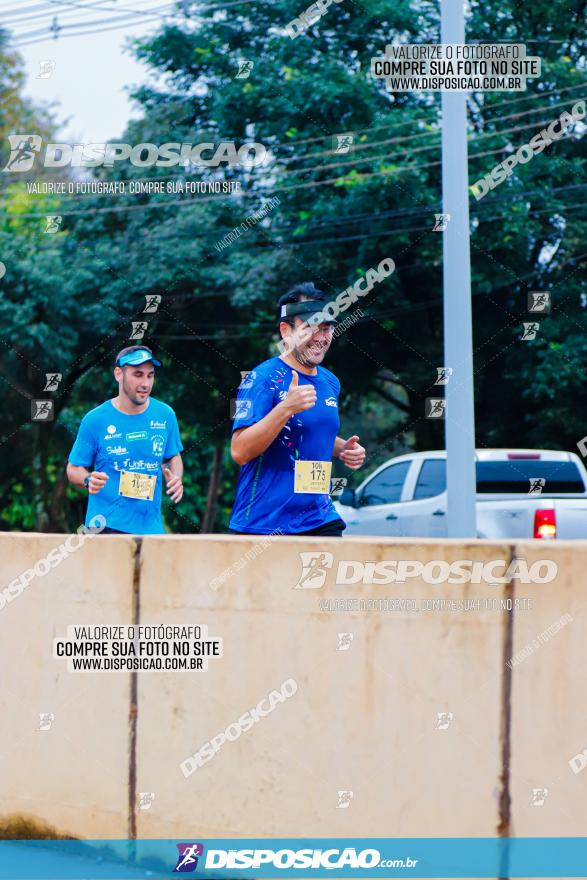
(289, 857)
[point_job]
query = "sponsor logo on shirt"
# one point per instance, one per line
(135, 464)
(116, 450)
(282, 395)
(158, 442)
(137, 435)
(112, 434)
(331, 401)
(155, 424)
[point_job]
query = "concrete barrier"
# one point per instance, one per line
(549, 717)
(407, 722)
(69, 769)
(363, 720)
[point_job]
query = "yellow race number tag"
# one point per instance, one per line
(134, 485)
(312, 476)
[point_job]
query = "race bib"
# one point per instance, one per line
(134, 485)
(312, 476)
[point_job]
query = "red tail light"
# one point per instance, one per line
(545, 524)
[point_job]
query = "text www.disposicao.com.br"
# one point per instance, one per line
(108, 664)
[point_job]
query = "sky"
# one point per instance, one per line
(92, 74)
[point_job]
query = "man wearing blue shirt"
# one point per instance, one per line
(123, 449)
(285, 431)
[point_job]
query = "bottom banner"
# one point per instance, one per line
(315, 857)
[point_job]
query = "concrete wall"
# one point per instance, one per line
(363, 720)
(73, 775)
(549, 721)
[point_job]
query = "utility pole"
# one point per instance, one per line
(458, 334)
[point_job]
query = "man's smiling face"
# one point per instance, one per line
(307, 343)
(137, 382)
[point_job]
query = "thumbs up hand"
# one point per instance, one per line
(299, 397)
(352, 453)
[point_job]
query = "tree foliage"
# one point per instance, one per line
(67, 300)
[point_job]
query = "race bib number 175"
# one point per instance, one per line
(312, 476)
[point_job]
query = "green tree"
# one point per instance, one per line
(339, 214)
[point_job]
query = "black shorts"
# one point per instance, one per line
(332, 529)
(108, 531)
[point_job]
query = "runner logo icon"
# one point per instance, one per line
(187, 860)
(314, 567)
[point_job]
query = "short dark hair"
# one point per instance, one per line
(129, 349)
(300, 292)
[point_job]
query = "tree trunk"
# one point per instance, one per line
(38, 478)
(40, 462)
(57, 512)
(209, 517)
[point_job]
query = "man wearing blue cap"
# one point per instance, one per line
(124, 447)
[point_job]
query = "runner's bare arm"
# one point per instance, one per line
(175, 465)
(338, 445)
(248, 443)
(76, 474)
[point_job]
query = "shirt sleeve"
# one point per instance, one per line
(173, 445)
(253, 402)
(83, 453)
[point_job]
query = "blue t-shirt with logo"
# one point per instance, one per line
(265, 499)
(112, 441)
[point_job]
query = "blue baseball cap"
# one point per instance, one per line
(137, 357)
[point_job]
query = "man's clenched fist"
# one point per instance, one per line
(352, 453)
(97, 482)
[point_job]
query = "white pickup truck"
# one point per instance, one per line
(521, 493)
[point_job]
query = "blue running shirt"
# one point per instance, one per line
(112, 441)
(265, 499)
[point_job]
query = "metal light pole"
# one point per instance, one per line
(458, 336)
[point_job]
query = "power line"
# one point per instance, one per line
(154, 12)
(402, 139)
(52, 12)
(255, 193)
(539, 94)
(430, 122)
(71, 26)
(84, 6)
(22, 41)
(348, 219)
(115, 27)
(354, 162)
(272, 244)
(323, 167)
(436, 133)
(9, 13)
